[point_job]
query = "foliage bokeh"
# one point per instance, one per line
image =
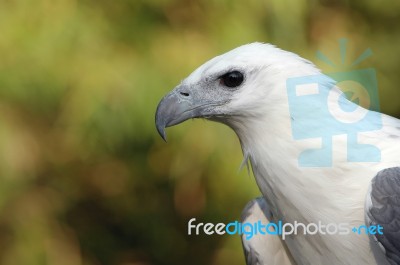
(85, 179)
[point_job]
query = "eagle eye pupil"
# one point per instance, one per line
(232, 79)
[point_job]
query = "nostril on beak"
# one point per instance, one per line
(184, 94)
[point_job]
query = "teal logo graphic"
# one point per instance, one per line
(319, 109)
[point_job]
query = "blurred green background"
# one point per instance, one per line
(85, 178)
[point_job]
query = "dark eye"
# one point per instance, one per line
(232, 79)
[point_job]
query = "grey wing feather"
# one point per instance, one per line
(252, 257)
(384, 210)
(263, 249)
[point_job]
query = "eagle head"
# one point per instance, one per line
(233, 88)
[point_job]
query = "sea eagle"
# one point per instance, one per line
(247, 89)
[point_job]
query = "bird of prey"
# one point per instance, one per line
(247, 89)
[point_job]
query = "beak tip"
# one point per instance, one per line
(161, 130)
(162, 133)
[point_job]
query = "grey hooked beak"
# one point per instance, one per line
(173, 109)
(179, 105)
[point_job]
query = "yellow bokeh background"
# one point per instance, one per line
(85, 178)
